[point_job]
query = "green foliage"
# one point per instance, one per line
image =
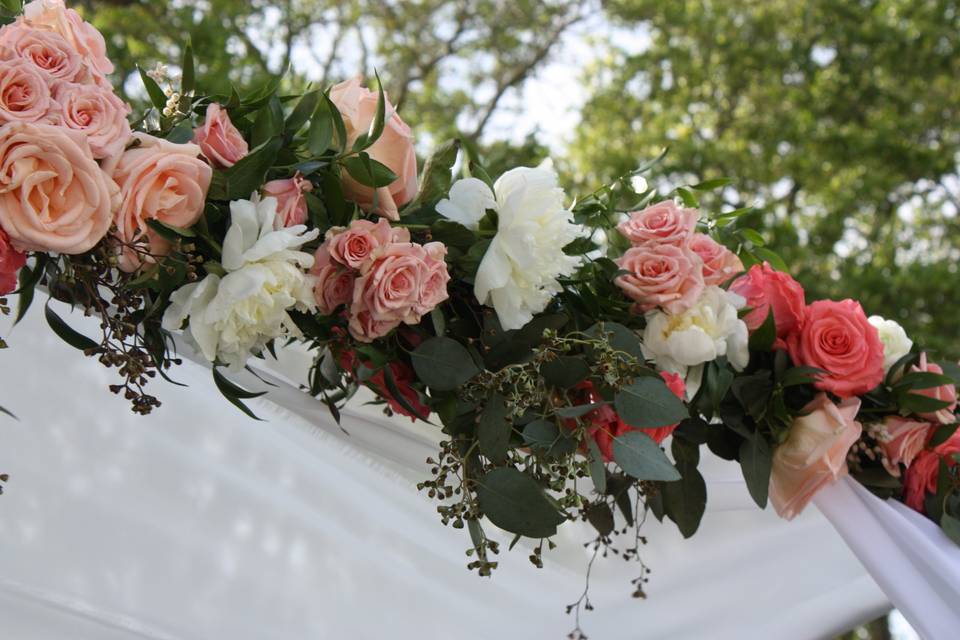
(641, 457)
(513, 501)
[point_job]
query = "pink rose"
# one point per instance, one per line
(159, 180)
(96, 112)
(719, 263)
(82, 36)
(366, 327)
(355, 245)
(433, 289)
(947, 393)
(904, 440)
(662, 275)
(24, 94)
(358, 106)
(11, 261)
(46, 50)
(333, 284)
(663, 223)
(390, 285)
(921, 476)
(814, 454)
(219, 141)
(766, 289)
(53, 195)
(836, 337)
(291, 204)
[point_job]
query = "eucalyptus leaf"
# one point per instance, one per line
(565, 371)
(494, 428)
(756, 461)
(443, 363)
(598, 470)
(642, 458)
(686, 501)
(516, 503)
(69, 335)
(649, 403)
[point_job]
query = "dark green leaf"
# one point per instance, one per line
(941, 434)
(494, 428)
(801, 375)
(157, 97)
(7, 412)
(248, 174)
(772, 257)
(685, 501)
(544, 436)
(763, 337)
(578, 410)
(268, 123)
(66, 333)
(306, 107)
(751, 236)
(619, 337)
(565, 371)
(649, 403)
(368, 171)
(235, 394)
(437, 172)
(452, 234)
(515, 502)
(187, 76)
(641, 457)
(601, 517)
(598, 470)
(170, 232)
(923, 380)
(710, 185)
(443, 363)
(756, 461)
(951, 527)
(688, 198)
(320, 134)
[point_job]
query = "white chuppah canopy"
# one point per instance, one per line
(197, 523)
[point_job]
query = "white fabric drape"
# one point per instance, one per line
(199, 523)
(911, 559)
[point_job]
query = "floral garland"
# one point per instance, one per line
(556, 346)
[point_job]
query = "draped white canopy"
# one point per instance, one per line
(197, 522)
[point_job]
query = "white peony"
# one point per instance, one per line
(683, 342)
(896, 344)
(236, 315)
(518, 273)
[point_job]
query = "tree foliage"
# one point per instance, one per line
(839, 119)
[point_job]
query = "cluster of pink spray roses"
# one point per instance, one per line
(381, 277)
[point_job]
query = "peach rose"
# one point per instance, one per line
(663, 222)
(661, 275)
(159, 180)
(96, 112)
(836, 337)
(946, 393)
(219, 141)
(291, 204)
(333, 285)
(766, 289)
(46, 50)
(354, 246)
(433, 289)
(11, 262)
(53, 195)
(904, 439)
(366, 327)
(24, 94)
(719, 263)
(358, 106)
(921, 476)
(81, 35)
(814, 454)
(389, 286)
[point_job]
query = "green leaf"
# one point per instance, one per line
(641, 457)
(685, 501)
(320, 134)
(452, 234)
(951, 527)
(170, 232)
(188, 75)
(235, 394)
(941, 434)
(923, 380)
(565, 371)
(710, 185)
(763, 337)
(915, 403)
(619, 337)
(772, 257)
(306, 107)
(598, 470)
(268, 123)
(28, 279)
(339, 129)
(688, 198)
(494, 428)
(544, 436)
(368, 171)
(751, 236)
(649, 403)
(248, 174)
(601, 517)
(515, 502)
(7, 412)
(67, 334)
(157, 97)
(578, 410)
(379, 119)
(796, 376)
(438, 172)
(756, 461)
(443, 364)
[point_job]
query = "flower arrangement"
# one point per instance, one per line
(557, 345)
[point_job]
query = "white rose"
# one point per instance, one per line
(682, 343)
(236, 315)
(518, 273)
(896, 344)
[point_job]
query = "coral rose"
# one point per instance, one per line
(11, 261)
(661, 275)
(291, 203)
(394, 148)
(82, 36)
(219, 141)
(946, 393)
(159, 180)
(53, 195)
(836, 337)
(24, 94)
(662, 223)
(96, 112)
(814, 454)
(719, 263)
(48, 51)
(921, 476)
(903, 440)
(767, 290)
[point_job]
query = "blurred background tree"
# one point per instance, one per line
(838, 120)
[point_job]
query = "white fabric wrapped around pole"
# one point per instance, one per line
(197, 522)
